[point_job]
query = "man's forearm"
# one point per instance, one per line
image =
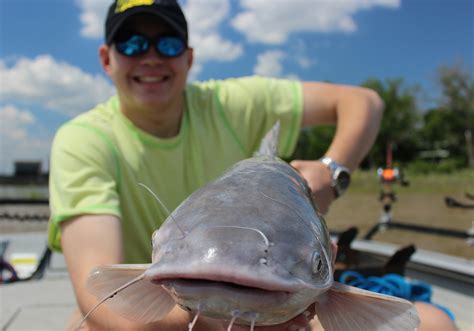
(358, 121)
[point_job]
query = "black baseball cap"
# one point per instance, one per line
(167, 10)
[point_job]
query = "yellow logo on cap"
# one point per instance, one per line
(123, 5)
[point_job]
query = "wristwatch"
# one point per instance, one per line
(340, 175)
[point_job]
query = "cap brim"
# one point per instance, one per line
(143, 10)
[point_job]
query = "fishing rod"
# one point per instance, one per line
(389, 176)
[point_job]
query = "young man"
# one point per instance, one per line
(175, 137)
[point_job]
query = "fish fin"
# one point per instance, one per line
(269, 143)
(141, 300)
(349, 308)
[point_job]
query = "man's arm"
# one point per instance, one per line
(92, 240)
(357, 113)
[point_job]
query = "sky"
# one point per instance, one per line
(49, 68)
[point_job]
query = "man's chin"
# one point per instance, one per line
(153, 102)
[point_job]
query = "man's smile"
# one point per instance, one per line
(151, 78)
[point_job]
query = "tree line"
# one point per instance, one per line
(435, 139)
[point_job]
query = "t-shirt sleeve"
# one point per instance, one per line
(252, 105)
(83, 176)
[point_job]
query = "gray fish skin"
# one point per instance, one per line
(249, 247)
(256, 226)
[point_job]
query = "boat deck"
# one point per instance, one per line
(44, 304)
(47, 304)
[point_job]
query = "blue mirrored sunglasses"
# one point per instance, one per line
(137, 44)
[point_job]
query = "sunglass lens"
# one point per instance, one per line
(134, 45)
(170, 46)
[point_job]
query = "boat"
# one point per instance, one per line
(44, 299)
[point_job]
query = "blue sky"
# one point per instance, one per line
(49, 69)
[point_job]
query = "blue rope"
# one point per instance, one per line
(393, 284)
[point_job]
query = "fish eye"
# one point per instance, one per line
(316, 262)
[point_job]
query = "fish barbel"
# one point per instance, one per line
(249, 248)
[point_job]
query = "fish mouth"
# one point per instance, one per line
(237, 279)
(190, 293)
(210, 284)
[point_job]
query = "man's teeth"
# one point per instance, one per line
(149, 79)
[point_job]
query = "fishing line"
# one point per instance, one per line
(164, 207)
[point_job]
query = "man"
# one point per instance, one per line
(175, 138)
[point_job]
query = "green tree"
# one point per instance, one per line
(399, 124)
(398, 127)
(313, 143)
(446, 126)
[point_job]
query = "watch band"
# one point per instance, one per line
(330, 163)
(336, 180)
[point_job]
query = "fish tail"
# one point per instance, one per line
(269, 143)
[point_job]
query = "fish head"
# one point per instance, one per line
(222, 270)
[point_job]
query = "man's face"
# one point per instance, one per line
(148, 81)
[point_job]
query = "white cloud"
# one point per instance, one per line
(213, 47)
(45, 83)
(14, 122)
(298, 50)
(16, 140)
(92, 17)
(269, 64)
(293, 76)
(272, 22)
(196, 69)
(304, 62)
(204, 19)
(55, 85)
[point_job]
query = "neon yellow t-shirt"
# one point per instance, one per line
(99, 157)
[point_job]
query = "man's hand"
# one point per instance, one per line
(318, 177)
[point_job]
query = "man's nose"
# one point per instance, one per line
(152, 57)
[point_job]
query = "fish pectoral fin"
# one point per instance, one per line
(345, 307)
(141, 300)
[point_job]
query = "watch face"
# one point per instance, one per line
(343, 180)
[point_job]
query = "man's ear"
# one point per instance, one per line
(104, 57)
(190, 57)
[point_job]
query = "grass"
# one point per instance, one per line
(422, 202)
(454, 183)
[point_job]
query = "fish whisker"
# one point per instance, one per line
(193, 322)
(267, 242)
(235, 314)
(252, 324)
(110, 296)
(164, 207)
